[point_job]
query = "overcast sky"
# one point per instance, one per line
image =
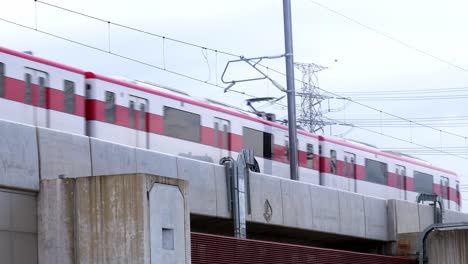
(358, 58)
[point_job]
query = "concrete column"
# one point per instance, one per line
(114, 219)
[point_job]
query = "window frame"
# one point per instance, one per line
(310, 155)
(333, 162)
(28, 88)
(422, 174)
(109, 107)
(2, 79)
(131, 114)
(167, 132)
(372, 179)
(267, 142)
(69, 98)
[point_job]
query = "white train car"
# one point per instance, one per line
(363, 169)
(39, 92)
(161, 120)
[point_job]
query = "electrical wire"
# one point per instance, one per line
(201, 81)
(234, 55)
(388, 36)
(122, 56)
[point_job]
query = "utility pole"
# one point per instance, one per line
(291, 91)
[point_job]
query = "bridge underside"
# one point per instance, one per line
(221, 226)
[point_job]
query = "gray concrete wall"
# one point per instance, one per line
(105, 219)
(19, 162)
(18, 227)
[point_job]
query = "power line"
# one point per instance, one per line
(388, 36)
(399, 139)
(196, 79)
(231, 54)
(136, 29)
(121, 56)
(409, 91)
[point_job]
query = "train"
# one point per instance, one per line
(45, 93)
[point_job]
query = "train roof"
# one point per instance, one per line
(375, 150)
(221, 107)
(41, 60)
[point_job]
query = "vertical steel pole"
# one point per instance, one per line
(291, 91)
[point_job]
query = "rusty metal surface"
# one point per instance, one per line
(210, 249)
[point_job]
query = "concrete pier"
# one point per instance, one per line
(134, 218)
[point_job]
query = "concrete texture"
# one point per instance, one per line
(19, 162)
(222, 208)
(325, 209)
(404, 215)
(376, 218)
(455, 217)
(266, 200)
(167, 229)
(110, 159)
(18, 227)
(426, 216)
(296, 204)
(101, 219)
(352, 215)
(63, 154)
(56, 221)
(156, 163)
(202, 185)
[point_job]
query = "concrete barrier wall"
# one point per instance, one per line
(317, 208)
(28, 154)
(19, 161)
(63, 154)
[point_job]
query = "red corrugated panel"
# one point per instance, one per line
(211, 249)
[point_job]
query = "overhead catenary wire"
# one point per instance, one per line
(122, 56)
(196, 79)
(411, 47)
(273, 70)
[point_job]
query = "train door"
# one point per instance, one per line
(350, 171)
(400, 174)
(36, 95)
(138, 121)
(444, 191)
(222, 130)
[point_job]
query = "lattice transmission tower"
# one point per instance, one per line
(310, 110)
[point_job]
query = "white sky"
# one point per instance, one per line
(366, 61)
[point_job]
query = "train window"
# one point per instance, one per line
(142, 116)
(310, 155)
(260, 142)
(27, 88)
(42, 92)
(216, 134)
(69, 96)
(400, 172)
(423, 182)
(457, 188)
(2, 79)
(349, 165)
(286, 150)
(333, 161)
(376, 171)
(445, 191)
(110, 107)
(131, 114)
(182, 124)
(225, 136)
